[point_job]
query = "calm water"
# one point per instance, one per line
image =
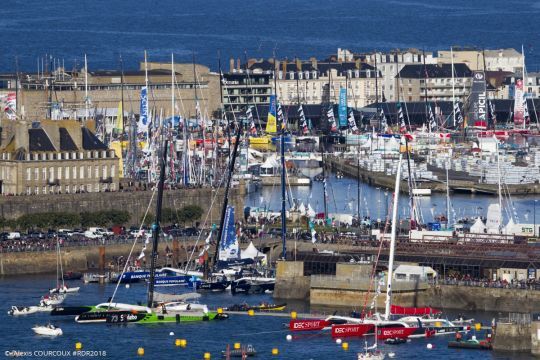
(343, 195)
(104, 29)
(121, 342)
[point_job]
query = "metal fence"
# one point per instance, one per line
(516, 318)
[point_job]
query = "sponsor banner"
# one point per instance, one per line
(394, 332)
(307, 325)
(342, 109)
(350, 330)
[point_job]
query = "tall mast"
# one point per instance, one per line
(229, 175)
(377, 92)
(393, 241)
(155, 226)
(499, 183)
(283, 194)
(172, 88)
(447, 194)
(122, 94)
(425, 89)
(85, 89)
(453, 86)
(524, 84)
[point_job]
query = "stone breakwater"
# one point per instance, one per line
(135, 202)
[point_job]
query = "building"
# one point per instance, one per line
(241, 89)
(390, 64)
(531, 86)
(61, 94)
(490, 60)
(434, 81)
(308, 82)
(52, 157)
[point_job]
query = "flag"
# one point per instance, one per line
(525, 111)
(252, 127)
(342, 108)
(9, 105)
(401, 118)
(384, 122)
(271, 122)
(120, 117)
(431, 117)
(144, 107)
(459, 116)
(352, 122)
(281, 117)
(303, 122)
(331, 119)
(492, 112)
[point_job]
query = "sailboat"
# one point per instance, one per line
(371, 352)
(154, 311)
(61, 288)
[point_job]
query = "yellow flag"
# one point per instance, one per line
(120, 117)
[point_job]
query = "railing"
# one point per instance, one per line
(490, 284)
(363, 283)
(516, 318)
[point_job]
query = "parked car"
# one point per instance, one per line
(92, 235)
(14, 235)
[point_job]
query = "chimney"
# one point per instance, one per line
(21, 135)
(238, 64)
(284, 67)
(231, 65)
(358, 64)
(298, 64)
(313, 62)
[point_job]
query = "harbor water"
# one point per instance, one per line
(122, 342)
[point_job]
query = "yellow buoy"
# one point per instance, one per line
(478, 326)
(78, 346)
(140, 351)
(220, 310)
(275, 351)
(180, 342)
(206, 356)
(237, 346)
(251, 312)
(345, 346)
(293, 315)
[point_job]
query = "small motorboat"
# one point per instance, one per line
(64, 290)
(371, 355)
(248, 350)
(261, 307)
(47, 330)
(395, 341)
(471, 344)
(22, 310)
(54, 299)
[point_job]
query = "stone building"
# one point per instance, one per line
(52, 157)
(434, 81)
(60, 94)
(490, 60)
(310, 82)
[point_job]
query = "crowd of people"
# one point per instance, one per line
(468, 280)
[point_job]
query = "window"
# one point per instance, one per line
(28, 174)
(96, 171)
(66, 172)
(51, 174)
(112, 187)
(67, 189)
(44, 173)
(36, 173)
(96, 187)
(28, 190)
(36, 191)
(89, 172)
(44, 190)
(81, 172)
(59, 172)
(74, 172)
(104, 171)
(89, 188)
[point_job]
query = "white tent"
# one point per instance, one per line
(414, 272)
(478, 227)
(251, 252)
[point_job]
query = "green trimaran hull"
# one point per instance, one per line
(123, 316)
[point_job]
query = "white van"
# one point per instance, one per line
(14, 235)
(92, 235)
(101, 231)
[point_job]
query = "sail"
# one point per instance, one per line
(478, 101)
(493, 222)
(519, 111)
(331, 119)
(303, 122)
(229, 246)
(271, 126)
(120, 117)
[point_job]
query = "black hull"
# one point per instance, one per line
(213, 286)
(70, 310)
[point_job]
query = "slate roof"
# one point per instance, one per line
(90, 141)
(418, 71)
(66, 142)
(38, 140)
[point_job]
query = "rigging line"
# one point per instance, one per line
(205, 222)
(132, 248)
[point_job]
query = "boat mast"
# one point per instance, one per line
(425, 91)
(524, 84)
(377, 94)
(226, 195)
(155, 226)
(85, 89)
(283, 192)
(447, 194)
(453, 87)
(499, 183)
(393, 241)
